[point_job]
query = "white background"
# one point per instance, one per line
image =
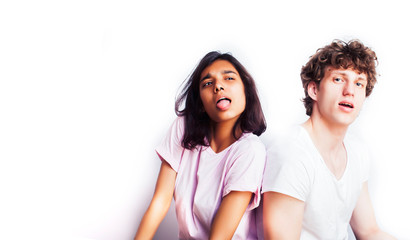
(87, 91)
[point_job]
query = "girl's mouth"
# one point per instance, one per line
(223, 103)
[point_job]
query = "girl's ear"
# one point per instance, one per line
(313, 88)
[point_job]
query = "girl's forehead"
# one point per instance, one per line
(218, 66)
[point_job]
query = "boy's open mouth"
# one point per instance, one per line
(345, 104)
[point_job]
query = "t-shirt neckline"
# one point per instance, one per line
(312, 145)
(209, 150)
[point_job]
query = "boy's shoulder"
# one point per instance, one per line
(291, 139)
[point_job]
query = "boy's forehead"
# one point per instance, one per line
(345, 71)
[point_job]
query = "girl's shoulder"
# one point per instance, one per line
(180, 120)
(250, 142)
(178, 125)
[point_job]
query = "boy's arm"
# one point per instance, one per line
(160, 203)
(282, 216)
(363, 221)
(229, 214)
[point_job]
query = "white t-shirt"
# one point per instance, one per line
(295, 167)
(205, 177)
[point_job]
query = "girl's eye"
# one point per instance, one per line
(230, 78)
(207, 84)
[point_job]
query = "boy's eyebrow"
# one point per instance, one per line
(223, 72)
(361, 78)
(345, 74)
(339, 73)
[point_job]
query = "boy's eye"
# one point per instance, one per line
(338, 80)
(359, 84)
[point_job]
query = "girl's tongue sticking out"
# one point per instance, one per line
(223, 104)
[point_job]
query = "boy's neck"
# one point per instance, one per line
(327, 138)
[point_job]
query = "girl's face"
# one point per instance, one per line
(222, 92)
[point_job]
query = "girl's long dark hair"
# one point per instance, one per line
(197, 121)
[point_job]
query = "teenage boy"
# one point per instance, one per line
(315, 182)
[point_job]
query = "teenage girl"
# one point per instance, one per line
(212, 159)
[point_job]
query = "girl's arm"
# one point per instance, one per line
(160, 203)
(229, 214)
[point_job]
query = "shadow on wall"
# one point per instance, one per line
(168, 229)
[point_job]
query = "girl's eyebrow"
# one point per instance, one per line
(205, 77)
(229, 71)
(223, 72)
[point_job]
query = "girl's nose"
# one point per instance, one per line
(218, 86)
(217, 89)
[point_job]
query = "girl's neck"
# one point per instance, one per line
(222, 135)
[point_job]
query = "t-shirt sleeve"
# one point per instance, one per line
(246, 170)
(170, 149)
(287, 172)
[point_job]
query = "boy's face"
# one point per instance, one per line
(340, 96)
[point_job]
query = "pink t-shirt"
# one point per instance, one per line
(205, 177)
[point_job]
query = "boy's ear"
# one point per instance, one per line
(313, 88)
